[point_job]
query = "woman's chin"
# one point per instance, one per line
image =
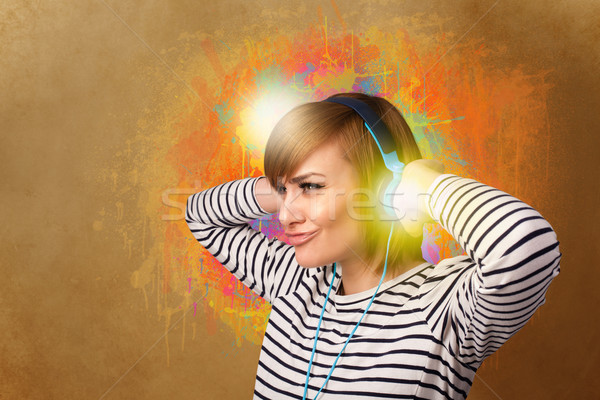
(308, 262)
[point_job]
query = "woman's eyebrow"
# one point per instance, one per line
(303, 177)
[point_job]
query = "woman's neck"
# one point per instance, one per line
(357, 277)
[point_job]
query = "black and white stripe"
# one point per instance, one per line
(427, 331)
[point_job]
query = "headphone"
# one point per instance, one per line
(386, 144)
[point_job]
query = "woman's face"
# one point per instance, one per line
(314, 204)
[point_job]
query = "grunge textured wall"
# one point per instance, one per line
(113, 113)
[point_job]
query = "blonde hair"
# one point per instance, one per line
(311, 125)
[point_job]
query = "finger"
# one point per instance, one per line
(413, 229)
(434, 165)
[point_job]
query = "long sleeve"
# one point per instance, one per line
(218, 218)
(475, 303)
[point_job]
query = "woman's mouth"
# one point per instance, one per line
(297, 240)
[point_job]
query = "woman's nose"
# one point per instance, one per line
(290, 211)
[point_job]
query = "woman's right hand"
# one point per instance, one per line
(412, 194)
(266, 195)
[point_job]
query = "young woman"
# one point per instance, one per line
(356, 311)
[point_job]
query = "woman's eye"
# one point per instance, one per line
(305, 186)
(310, 186)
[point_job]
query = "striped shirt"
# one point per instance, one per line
(427, 331)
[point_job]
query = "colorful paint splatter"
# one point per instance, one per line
(480, 121)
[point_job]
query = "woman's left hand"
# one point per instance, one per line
(412, 194)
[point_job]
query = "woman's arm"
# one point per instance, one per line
(474, 303)
(218, 218)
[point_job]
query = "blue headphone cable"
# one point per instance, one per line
(354, 330)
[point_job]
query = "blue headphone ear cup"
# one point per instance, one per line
(390, 194)
(381, 189)
(386, 191)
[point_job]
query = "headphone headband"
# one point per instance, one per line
(372, 120)
(378, 130)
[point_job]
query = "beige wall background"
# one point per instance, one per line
(71, 324)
